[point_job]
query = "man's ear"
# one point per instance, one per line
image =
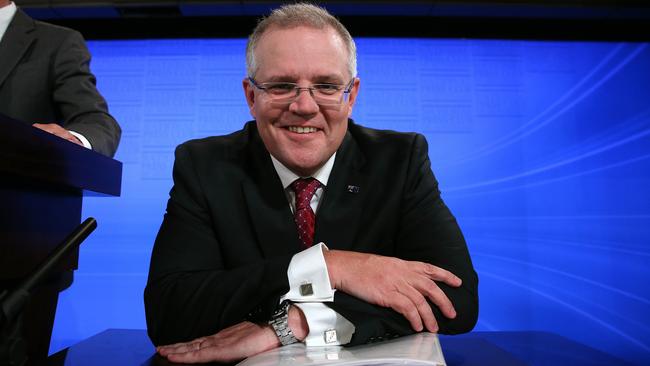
(249, 93)
(353, 95)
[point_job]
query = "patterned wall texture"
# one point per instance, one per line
(542, 150)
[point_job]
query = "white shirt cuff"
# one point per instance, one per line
(326, 326)
(309, 280)
(81, 138)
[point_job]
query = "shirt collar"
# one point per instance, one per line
(6, 15)
(287, 176)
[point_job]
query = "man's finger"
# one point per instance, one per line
(405, 306)
(52, 128)
(207, 354)
(438, 274)
(180, 347)
(431, 290)
(424, 310)
(59, 131)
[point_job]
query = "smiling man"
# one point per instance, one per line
(304, 226)
(298, 130)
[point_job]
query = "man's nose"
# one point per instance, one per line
(304, 103)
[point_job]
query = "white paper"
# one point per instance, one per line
(422, 349)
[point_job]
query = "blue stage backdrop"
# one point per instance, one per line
(542, 150)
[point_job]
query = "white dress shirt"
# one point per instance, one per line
(6, 15)
(308, 268)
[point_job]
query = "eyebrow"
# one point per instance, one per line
(329, 79)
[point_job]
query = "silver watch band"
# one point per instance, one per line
(280, 323)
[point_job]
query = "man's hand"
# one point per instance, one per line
(57, 130)
(235, 343)
(390, 282)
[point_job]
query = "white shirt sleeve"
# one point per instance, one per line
(308, 276)
(326, 326)
(81, 138)
(309, 287)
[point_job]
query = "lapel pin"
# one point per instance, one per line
(353, 189)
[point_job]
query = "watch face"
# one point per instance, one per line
(282, 309)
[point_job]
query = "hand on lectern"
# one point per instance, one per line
(57, 130)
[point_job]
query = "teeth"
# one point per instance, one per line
(299, 129)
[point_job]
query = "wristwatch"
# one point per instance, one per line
(280, 323)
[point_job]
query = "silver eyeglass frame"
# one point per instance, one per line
(345, 88)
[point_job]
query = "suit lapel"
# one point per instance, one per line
(267, 204)
(15, 43)
(337, 218)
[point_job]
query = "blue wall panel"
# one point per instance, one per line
(542, 150)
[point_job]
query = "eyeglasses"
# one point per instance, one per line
(286, 93)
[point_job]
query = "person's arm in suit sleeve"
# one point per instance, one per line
(190, 292)
(82, 108)
(428, 233)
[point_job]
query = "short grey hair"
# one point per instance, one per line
(294, 15)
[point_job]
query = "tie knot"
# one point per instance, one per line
(304, 189)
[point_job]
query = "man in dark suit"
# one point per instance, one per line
(263, 225)
(45, 80)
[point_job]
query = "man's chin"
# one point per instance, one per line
(305, 167)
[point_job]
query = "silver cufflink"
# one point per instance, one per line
(330, 336)
(306, 289)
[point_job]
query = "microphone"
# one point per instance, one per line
(11, 303)
(12, 347)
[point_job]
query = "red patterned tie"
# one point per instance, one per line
(304, 215)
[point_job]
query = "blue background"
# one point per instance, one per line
(542, 150)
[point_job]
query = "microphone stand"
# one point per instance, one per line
(13, 349)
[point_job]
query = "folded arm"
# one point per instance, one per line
(232, 344)
(191, 292)
(428, 283)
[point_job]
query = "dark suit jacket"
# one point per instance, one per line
(45, 77)
(223, 249)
